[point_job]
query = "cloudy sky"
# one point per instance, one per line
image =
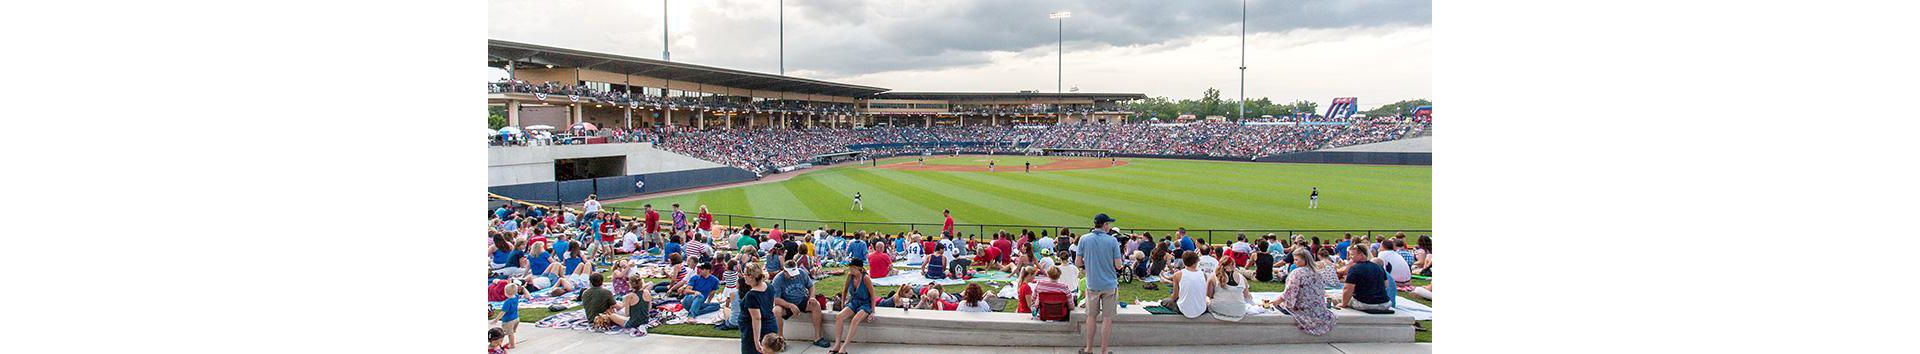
(1378, 50)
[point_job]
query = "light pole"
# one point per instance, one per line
(783, 37)
(664, 54)
(1061, 17)
(1243, 60)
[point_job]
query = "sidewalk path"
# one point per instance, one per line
(543, 340)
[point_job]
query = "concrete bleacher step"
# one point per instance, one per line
(1132, 326)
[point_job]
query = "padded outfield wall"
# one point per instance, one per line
(527, 172)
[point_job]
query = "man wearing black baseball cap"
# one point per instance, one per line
(1100, 257)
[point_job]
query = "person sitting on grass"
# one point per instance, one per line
(506, 260)
(882, 262)
(932, 297)
(1024, 299)
(859, 307)
(1324, 264)
(634, 303)
(598, 301)
(901, 297)
(935, 264)
(1395, 263)
(1366, 282)
(1230, 295)
(1305, 297)
(1423, 257)
(973, 299)
(699, 291)
(1191, 287)
(795, 289)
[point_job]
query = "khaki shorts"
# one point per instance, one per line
(510, 326)
(1102, 304)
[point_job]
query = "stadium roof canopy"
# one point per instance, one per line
(499, 51)
(1006, 95)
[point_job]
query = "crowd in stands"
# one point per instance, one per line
(765, 149)
(753, 277)
(622, 98)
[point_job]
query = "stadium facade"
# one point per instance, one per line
(561, 87)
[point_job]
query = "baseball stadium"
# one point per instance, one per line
(636, 202)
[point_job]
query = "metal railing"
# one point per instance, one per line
(972, 231)
(985, 231)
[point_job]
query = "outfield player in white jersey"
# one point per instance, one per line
(856, 202)
(1313, 200)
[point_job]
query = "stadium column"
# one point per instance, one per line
(574, 114)
(929, 121)
(668, 117)
(629, 116)
(513, 113)
(702, 123)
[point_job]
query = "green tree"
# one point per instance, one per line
(1210, 104)
(496, 117)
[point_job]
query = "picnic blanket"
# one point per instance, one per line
(1160, 310)
(577, 320)
(1420, 312)
(541, 301)
(914, 278)
(991, 277)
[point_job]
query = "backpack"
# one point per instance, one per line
(1054, 306)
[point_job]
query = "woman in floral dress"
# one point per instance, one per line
(1305, 296)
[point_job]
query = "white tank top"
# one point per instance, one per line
(1193, 293)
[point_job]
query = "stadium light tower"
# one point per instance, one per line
(1061, 17)
(783, 37)
(1243, 60)
(664, 53)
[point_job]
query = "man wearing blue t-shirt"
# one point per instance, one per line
(1342, 246)
(856, 247)
(699, 290)
(1186, 242)
(1099, 256)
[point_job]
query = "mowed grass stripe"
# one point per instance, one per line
(1182, 194)
(773, 199)
(882, 205)
(1289, 193)
(1135, 213)
(1000, 199)
(969, 212)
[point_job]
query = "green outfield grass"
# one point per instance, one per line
(1144, 194)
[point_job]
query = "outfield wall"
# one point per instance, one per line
(527, 172)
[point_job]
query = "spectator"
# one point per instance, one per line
(1366, 283)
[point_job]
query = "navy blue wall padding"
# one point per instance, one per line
(623, 186)
(1354, 157)
(576, 190)
(542, 191)
(614, 187)
(678, 180)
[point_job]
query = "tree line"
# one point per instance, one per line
(1210, 104)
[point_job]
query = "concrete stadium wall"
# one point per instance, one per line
(526, 172)
(514, 165)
